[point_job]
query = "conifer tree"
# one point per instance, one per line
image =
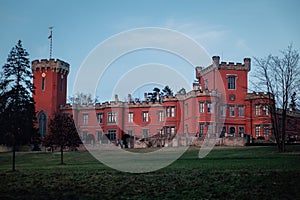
(16, 102)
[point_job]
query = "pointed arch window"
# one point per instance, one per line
(42, 123)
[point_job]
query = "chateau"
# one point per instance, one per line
(218, 106)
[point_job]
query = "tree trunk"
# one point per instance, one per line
(14, 158)
(61, 154)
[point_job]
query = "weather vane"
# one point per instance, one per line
(50, 37)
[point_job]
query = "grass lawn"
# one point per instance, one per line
(226, 173)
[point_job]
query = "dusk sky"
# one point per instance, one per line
(231, 29)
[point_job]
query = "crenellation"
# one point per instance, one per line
(55, 65)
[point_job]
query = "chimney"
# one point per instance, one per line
(216, 60)
(145, 97)
(129, 98)
(247, 62)
(116, 98)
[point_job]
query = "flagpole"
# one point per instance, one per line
(50, 37)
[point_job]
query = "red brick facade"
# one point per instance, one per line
(218, 105)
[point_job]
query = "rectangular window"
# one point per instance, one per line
(112, 134)
(187, 130)
(99, 135)
(241, 110)
(201, 107)
(145, 116)
(100, 118)
(186, 109)
(61, 83)
(130, 117)
(112, 117)
(172, 130)
(257, 110)
(170, 111)
(201, 129)
(43, 83)
(231, 82)
(241, 131)
(85, 118)
(130, 132)
(232, 111)
(145, 133)
(257, 130)
(265, 109)
(206, 84)
(223, 110)
(209, 107)
(84, 135)
(160, 116)
(167, 130)
(266, 130)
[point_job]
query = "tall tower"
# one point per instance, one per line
(50, 81)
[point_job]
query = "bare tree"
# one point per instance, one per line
(279, 76)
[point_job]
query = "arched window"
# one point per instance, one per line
(42, 123)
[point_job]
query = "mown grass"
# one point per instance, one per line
(226, 173)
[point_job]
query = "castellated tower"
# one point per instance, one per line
(50, 81)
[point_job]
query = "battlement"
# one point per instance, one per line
(52, 64)
(258, 95)
(236, 66)
(246, 66)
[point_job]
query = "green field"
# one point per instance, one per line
(226, 173)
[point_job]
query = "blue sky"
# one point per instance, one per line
(231, 29)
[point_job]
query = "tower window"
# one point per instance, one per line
(43, 83)
(231, 82)
(61, 83)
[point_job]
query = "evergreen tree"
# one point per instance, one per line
(167, 91)
(63, 133)
(16, 103)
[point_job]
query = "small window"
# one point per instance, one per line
(232, 111)
(266, 130)
(145, 116)
(231, 82)
(265, 110)
(43, 83)
(112, 135)
(223, 110)
(201, 107)
(160, 116)
(130, 132)
(170, 111)
(84, 135)
(257, 130)
(201, 129)
(112, 117)
(99, 135)
(210, 107)
(100, 118)
(241, 131)
(145, 133)
(206, 84)
(186, 109)
(130, 117)
(85, 118)
(241, 110)
(257, 110)
(62, 83)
